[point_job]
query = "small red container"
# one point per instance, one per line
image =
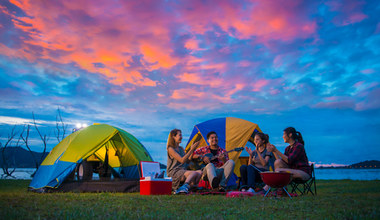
(155, 186)
(276, 179)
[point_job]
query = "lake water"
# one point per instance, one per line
(352, 174)
(321, 174)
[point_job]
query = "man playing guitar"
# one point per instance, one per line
(219, 168)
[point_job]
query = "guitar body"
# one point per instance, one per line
(197, 164)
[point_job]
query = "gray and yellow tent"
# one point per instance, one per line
(120, 150)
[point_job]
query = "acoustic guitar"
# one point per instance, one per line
(197, 164)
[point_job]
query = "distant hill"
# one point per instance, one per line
(19, 157)
(368, 164)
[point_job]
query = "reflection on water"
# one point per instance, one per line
(321, 174)
(20, 173)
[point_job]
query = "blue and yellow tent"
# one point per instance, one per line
(123, 151)
(232, 133)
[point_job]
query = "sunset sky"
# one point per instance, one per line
(150, 66)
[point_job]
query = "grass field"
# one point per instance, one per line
(338, 199)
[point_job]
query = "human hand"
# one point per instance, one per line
(206, 159)
(248, 150)
(271, 147)
(194, 146)
(222, 157)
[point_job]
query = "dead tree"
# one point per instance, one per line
(44, 140)
(25, 139)
(5, 165)
(60, 125)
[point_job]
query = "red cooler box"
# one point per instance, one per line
(150, 185)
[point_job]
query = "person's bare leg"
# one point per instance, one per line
(191, 176)
(297, 174)
(280, 164)
(198, 178)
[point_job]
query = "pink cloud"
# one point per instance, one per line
(192, 44)
(259, 84)
(328, 164)
(343, 104)
(278, 61)
(358, 84)
(103, 33)
(355, 18)
(377, 28)
(133, 77)
(274, 91)
(267, 20)
(244, 63)
(200, 79)
(371, 101)
(332, 98)
(187, 94)
(350, 12)
(194, 94)
(368, 71)
(107, 35)
(31, 84)
(193, 106)
(104, 38)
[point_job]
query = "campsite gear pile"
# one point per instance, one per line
(111, 151)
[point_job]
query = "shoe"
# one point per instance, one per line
(215, 182)
(243, 188)
(251, 190)
(221, 189)
(184, 189)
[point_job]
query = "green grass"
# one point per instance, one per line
(339, 199)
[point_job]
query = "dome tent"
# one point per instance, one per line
(232, 133)
(120, 150)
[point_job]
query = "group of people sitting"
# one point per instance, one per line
(219, 168)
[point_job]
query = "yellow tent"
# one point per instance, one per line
(121, 150)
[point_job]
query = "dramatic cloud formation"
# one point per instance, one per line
(149, 66)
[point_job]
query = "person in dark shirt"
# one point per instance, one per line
(259, 160)
(294, 160)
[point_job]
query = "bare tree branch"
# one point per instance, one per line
(5, 165)
(43, 138)
(58, 130)
(60, 125)
(25, 139)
